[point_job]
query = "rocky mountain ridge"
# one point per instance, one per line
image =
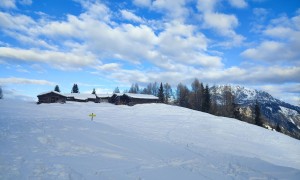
(274, 111)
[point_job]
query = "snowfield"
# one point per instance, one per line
(150, 141)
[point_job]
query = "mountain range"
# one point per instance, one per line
(274, 111)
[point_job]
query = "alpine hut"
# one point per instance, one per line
(51, 97)
(132, 99)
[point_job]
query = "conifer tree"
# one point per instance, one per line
(206, 100)
(94, 91)
(75, 89)
(278, 129)
(117, 90)
(257, 115)
(161, 95)
(1, 93)
(196, 96)
(57, 88)
(134, 89)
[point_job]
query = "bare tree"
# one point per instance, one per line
(167, 92)
(183, 94)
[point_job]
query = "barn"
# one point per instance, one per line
(51, 97)
(132, 99)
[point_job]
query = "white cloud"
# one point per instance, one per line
(7, 4)
(286, 92)
(238, 3)
(143, 3)
(280, 32)
(14, 80)
(284, 44)
(108, 67)
(223, 24)
(55, 58)
(15, 22)
(25, 2)
(131, 16)
(206, 5)
(220, 21)
(176, 9)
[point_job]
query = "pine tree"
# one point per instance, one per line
(257, 115)
(278, 129)
(206, 100)
(161, 95)
(1, 93)
(196, 96)
(134, 89)
(94, 91)
(117, 90)
(75, 89)
(57, 88)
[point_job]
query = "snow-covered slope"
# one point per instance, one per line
(276, 112)
(150, 141)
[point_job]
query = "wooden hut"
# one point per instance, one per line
(51, 97)
(132, 99)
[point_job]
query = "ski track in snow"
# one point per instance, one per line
(150, 141)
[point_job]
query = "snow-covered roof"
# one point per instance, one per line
(55, 92)
(81, 96)
(141, 96)
(104, 95)
(118, 94)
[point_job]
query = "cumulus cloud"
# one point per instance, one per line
(238, 3)
(7, 4)
(283, 47)
(175, 8)
(131, 16)
(223, 24)
(15, 80)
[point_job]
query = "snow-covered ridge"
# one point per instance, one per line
(149, 141)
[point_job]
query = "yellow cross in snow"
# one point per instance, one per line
(92, 115)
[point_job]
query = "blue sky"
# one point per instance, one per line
(103, 44)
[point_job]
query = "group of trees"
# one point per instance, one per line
(199, 97)
(75, 89)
